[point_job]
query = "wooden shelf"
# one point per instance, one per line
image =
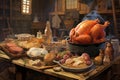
(101, 12)
(85, 12)
(59, 13)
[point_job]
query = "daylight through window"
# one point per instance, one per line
(26, 6)
(71, 4)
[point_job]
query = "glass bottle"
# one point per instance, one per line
(115, 43)
(48, 32)
(39, 34)
(109, 51)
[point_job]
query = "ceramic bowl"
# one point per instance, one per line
(74, 69)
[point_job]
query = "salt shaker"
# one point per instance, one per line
(39, 34)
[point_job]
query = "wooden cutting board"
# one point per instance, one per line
(11, 55)
(24, 63)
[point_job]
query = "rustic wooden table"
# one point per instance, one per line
(102, 72)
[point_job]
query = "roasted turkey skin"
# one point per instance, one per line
(88, 32)
(97, 32)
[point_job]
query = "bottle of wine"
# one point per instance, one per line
(48, 32)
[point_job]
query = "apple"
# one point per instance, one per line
(66, 56)
(86, 58)
(62, 61)
(88, 62)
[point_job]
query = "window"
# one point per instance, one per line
(26, 7)
(71, 4)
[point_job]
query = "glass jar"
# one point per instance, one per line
(115, 43)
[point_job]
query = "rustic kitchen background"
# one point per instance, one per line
(15, 20)
(70, 12)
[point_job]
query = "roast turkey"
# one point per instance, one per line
(88, 32)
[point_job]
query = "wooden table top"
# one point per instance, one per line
(97, 70)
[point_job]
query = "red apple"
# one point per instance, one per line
(88, 62)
